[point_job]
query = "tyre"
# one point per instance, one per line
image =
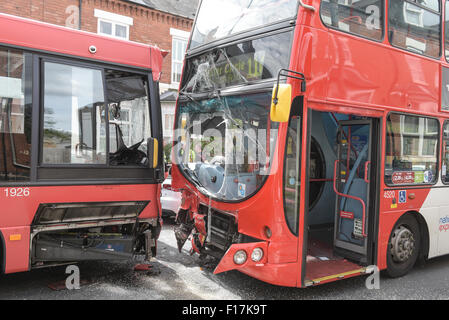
(403, 246)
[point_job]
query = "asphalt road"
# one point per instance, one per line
(178, 276)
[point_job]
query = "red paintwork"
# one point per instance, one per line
(227, 262)
(17, 213)
(17, 252)
(345, 74)
(55, 39)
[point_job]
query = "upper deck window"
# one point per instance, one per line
(361, 17)
(446, 33)
(218, 19)
(415, 27)
(242, 63)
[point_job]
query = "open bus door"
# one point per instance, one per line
(352, 186)
(340, 222)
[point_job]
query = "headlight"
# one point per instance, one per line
(257, 255)
(240, 257)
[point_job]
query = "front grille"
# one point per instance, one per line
(223, 230)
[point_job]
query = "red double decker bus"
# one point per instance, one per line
(80, 170)
(312, 137)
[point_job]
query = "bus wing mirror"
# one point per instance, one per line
(152, 152)
(281, 102)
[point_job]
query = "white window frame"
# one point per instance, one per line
(419, 12)
(177, 35)
(127, 124)
(115, 20)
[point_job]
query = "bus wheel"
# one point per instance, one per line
(403, 247)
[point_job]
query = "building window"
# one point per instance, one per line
(113, 25)
(179, 46)
(169, 120)
(413, 15)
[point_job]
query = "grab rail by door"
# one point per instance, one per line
(350, 197)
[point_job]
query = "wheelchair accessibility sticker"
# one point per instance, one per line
(402, 196)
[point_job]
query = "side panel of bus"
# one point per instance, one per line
(17, 215)
(35, 176)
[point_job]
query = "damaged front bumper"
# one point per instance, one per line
(243, 255)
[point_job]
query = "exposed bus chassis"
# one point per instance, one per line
(212, 238)
(212, 232)
(59, 238)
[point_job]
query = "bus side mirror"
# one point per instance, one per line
(281, 102)
(152, 152)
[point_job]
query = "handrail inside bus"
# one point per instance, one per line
(350, 197)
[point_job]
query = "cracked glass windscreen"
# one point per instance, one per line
(247, 62)
(224, 143)
(218, 19)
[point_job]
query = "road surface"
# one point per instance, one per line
(178, 276)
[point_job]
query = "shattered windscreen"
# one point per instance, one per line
(218, 19)
(242, 63)
(225, 144)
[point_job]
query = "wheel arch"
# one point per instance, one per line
(424, 232)
(401, 255)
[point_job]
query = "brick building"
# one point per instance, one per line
(164, 23)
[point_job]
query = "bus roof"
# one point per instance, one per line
(40, 36)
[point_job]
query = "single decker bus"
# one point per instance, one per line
(80, 130)
(312, 137)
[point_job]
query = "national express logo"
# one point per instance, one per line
(444, 223)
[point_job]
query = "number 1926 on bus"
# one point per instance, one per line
(17, 192)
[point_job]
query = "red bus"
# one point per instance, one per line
(80, 170)
(312, 137)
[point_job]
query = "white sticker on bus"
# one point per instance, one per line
(17, 192)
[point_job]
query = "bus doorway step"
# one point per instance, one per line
(322, 265)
